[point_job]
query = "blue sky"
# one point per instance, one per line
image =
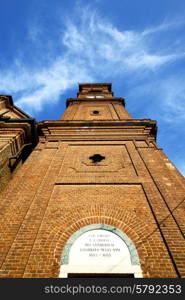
(48, 47)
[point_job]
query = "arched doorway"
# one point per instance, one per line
(100, 250)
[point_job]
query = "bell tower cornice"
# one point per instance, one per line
(93, 89)
(95, 99)
(95, 102)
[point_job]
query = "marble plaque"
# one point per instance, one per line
(99, 247)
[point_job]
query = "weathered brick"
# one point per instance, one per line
(58, 189)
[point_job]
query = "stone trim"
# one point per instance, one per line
(132, 249)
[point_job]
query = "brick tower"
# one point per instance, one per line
(96, 197)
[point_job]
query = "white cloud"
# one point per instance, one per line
(100, 42)
(173, 95)
(51, 83)
(165, 98)
(182, 169)
(90, 49)
(166, 25)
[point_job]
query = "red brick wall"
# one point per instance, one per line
(41, 210)
(58, 190)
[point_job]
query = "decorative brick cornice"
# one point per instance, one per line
(134, 127)
(70, 101)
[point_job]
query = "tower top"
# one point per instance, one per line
(93, 89)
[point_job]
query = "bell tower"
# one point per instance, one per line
(95, 102)
(97, 197)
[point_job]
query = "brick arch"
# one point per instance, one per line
(126, 221)
(133, 252)
(63, 226)
(83, 212)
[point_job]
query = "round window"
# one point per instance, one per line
(96, 112)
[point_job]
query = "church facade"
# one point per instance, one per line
(89, 195)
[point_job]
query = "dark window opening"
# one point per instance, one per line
(95, 91)
(99, 275)
(97, 158)
(96, 112)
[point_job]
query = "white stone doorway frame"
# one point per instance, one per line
(132, 268)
